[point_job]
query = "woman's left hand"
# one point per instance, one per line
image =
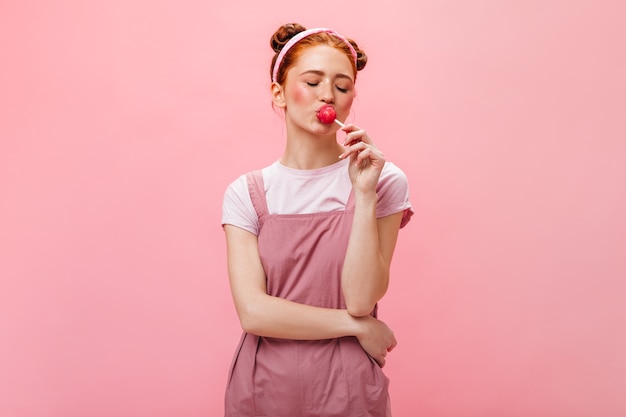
(366, 161)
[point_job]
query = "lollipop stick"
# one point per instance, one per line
(339, 123)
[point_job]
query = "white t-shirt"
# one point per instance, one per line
(298, 191)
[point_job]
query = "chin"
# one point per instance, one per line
(324, 130)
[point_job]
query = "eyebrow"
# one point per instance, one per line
(318, 72)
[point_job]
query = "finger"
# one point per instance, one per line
(355, 156)
(393, 342)
(361, 157)
(381, 361)
(351, 142)
(358, 145)
(352, 139)
(349, 127)
(356, 136)
(366, 155)
(353, 149)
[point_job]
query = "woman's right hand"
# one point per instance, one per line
(376, 338)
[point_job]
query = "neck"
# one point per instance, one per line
(308, 151)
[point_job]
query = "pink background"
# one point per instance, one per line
(121, 123)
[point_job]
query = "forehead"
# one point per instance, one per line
(323, 58)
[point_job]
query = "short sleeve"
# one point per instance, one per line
(393, 194)
(237, 207)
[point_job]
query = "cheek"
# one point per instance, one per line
(299, 94)
(345, 102)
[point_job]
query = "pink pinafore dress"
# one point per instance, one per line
(302, 255)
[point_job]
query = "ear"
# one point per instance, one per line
(278, 95)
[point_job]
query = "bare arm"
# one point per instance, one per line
(265, 315)
(365, 275)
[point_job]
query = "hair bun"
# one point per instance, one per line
(283, 34)
(361, 57)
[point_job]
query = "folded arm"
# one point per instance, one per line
(365, 276)
(265, 315)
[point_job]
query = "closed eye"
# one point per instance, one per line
(312, 84)
(343, 90)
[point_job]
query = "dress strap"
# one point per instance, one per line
(256, 188)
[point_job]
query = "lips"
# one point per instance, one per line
(326, 114)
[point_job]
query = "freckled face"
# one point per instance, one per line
(323, 75)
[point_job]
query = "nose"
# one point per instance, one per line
(326, 93)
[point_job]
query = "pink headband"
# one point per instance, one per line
(298, 37)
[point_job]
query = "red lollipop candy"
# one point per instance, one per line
(327, 114)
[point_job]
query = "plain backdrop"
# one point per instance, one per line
(122, 122)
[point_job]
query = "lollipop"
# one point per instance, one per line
(327, 115)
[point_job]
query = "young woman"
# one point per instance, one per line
(310, 240)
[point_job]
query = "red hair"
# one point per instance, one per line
(286, 32)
